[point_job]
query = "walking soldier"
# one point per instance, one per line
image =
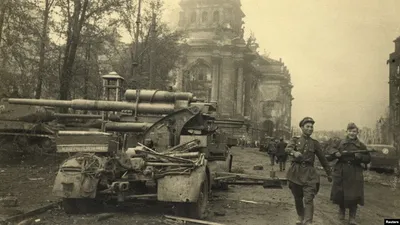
(302, 175)
(348, 180)
(271, 150)
(281, 154)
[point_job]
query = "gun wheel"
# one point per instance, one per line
(196, 210)
(78, 206)
(69, 206)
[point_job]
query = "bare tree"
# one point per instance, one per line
(3, 9)
(75, 24)
(42, 48)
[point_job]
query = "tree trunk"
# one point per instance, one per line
(3, 9)
(152, 49)
(77, 21)
(43, 43)
(86, 75)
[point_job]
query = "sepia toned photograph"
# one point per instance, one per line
(213, 112)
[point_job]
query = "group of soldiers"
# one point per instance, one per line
(276, 150)
(348, 182)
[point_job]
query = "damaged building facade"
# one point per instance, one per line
(394, 95)
(222, 67)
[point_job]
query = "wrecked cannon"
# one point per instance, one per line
(164, 148)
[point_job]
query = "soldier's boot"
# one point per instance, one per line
(342, 213)
(308, 210)
(352, 215)
(280, 166)
(284, 166)
(300, 210)
(299, 220)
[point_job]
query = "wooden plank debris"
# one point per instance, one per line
(32, 212)
(192, 220)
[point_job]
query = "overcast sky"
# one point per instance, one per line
(335, 50)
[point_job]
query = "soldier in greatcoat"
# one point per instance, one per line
(348, 180)
(302, 175)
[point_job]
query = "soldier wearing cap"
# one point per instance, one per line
(348, 180)
(302, 175)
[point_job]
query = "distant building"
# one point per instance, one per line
(222, 67)
(394, 92)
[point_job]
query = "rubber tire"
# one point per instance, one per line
(88, 205)
(81, 206)
(69, 206)
(195, 210)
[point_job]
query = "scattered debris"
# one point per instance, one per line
(252, 202)
(192, 220)
(7, 212)
(32, 212)
(33, 179)
(9, 201)
(105, 216)
(173, 222)
(258, 167)
(27, 222)
(219, 213)
(30, 222)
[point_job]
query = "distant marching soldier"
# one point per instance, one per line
(271, 150)
(302, 175)
(281, 154)
(348, 180)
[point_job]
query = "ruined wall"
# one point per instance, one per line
(394, 99)
(270, 101)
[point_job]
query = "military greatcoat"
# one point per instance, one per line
(348, 180)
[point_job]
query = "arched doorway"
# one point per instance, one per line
(198, 80)
(267, 128)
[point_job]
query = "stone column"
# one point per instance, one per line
(215, 79)
(239, 99)
(244, 96)
(247, 95)
(227, 87)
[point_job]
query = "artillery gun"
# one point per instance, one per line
(28, 125)
(25, 126)
(155, 144)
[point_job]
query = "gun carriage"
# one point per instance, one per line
(154, 144)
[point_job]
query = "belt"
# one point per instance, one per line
(303, 163)
(348, 162)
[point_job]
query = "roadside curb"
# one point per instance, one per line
(31, 213)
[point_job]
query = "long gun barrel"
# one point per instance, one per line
(127, 126)
(158, 96)
(81, 104)
(76, 116)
